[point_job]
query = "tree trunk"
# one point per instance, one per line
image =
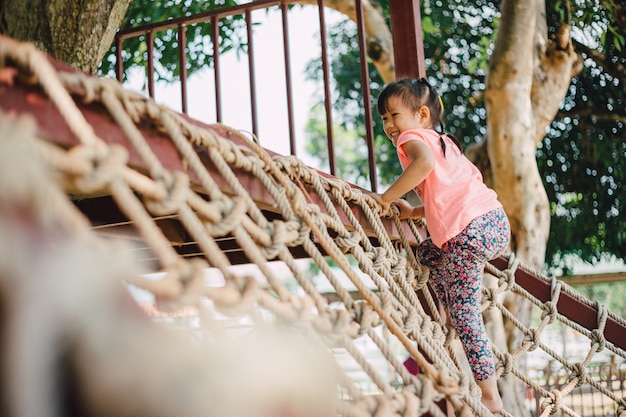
(527, 80)
(515, 175)
(77, 32)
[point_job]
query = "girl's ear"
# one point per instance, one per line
(424, 112)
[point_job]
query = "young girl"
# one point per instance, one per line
(465, 220)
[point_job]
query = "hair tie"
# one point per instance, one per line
(440, 102)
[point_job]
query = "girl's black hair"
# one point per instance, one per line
(415, 93)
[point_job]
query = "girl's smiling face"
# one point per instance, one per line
(399, 118)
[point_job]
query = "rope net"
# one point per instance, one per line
(326, 333)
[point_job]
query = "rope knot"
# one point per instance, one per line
(408, 403)
(304, 231)
(230, 212)
(426, 325)
(579, 373)
(621, 408)
(505, 363)
(303, 308)
(236, 296)
(103, 166)
(280, 235)
(549, 309)
(450, 334)
(398, 265)
(554, 401)
(490, 295)
(380, 259)
(422, 273)
(532, 337)
(189, 279)
(176, 186)
(423, 389)
(507, 278)
(364, 314)
(445, 384)
(347, 241)
(597, 339)
(411, 322)
(342, 325)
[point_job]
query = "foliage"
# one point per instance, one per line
(199, 37)
(604, 21)
(582, 157)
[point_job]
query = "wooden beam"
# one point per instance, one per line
(590, 279)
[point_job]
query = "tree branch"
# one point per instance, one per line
(592, 112)
(619, 12)
(615, 69)
(377, 33)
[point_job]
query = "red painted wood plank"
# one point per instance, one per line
(568, 306)
(19, 99)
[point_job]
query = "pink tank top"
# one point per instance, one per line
(454, 193)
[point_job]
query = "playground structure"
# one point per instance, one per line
(191, 200)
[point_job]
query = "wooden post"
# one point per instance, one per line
(408, 52)
(408, 43)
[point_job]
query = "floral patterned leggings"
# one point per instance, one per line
(456, 272)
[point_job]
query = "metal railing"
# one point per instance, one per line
(213, 19)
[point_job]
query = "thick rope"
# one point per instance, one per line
(388, 301)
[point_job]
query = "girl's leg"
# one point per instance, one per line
(491, 396)
(464, 295)
(465, 257)
(463, 282)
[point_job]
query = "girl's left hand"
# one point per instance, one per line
(384, 205)
(405, 209)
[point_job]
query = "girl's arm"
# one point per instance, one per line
(422, 164)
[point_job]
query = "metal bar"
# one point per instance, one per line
(367, 103)
(327, 98)
(251, 69)
(150, 69)
(408, 44)
(403, 14)
(290, 117)
(216, 68)
(198, 18)
(182, 62)
(119, 63)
